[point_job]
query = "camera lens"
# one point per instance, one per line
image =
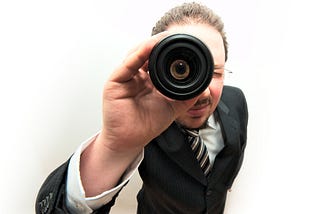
(180, 66)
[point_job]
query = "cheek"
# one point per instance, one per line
(215, 91)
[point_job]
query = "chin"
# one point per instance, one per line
(193, 123)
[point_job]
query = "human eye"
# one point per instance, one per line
(218, 73)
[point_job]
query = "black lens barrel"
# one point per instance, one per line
(181, 66)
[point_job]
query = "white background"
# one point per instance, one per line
(56, 55)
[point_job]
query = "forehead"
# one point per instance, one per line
(207, 34)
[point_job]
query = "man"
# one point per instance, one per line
(142, 128)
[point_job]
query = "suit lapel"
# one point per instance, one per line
(173, 143)
(230, 127)
(230, 132)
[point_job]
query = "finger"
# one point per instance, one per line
(136, 59)
(145, 66)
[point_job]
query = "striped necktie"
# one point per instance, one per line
(199, 149)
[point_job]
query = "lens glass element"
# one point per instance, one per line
(179, 69)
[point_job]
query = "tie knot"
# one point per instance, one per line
(192, 132)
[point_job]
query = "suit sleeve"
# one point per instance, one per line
(243, 125)
(240, 113)
(62, 190)
(51, 196)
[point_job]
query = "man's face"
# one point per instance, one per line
(208, 100)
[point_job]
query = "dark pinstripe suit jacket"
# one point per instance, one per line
(172, 179)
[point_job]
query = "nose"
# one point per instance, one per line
(205, 93)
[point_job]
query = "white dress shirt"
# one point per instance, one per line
(78, 203)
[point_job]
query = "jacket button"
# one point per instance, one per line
(209, 192)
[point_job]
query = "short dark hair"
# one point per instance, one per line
(192, 13)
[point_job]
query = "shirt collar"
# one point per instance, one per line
(212, 122)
